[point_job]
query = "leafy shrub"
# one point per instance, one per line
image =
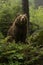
(36, 16)
(23, 54)
(20, 54)
(1, 36)
(37, 38)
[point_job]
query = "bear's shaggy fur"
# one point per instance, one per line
(18, 30)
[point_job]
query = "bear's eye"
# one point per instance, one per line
(16, 23)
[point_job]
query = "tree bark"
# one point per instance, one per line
(25, 8)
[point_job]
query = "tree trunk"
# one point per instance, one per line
(25, 7)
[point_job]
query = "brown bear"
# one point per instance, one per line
(18, 30)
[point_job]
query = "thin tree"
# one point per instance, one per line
(25, 7)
